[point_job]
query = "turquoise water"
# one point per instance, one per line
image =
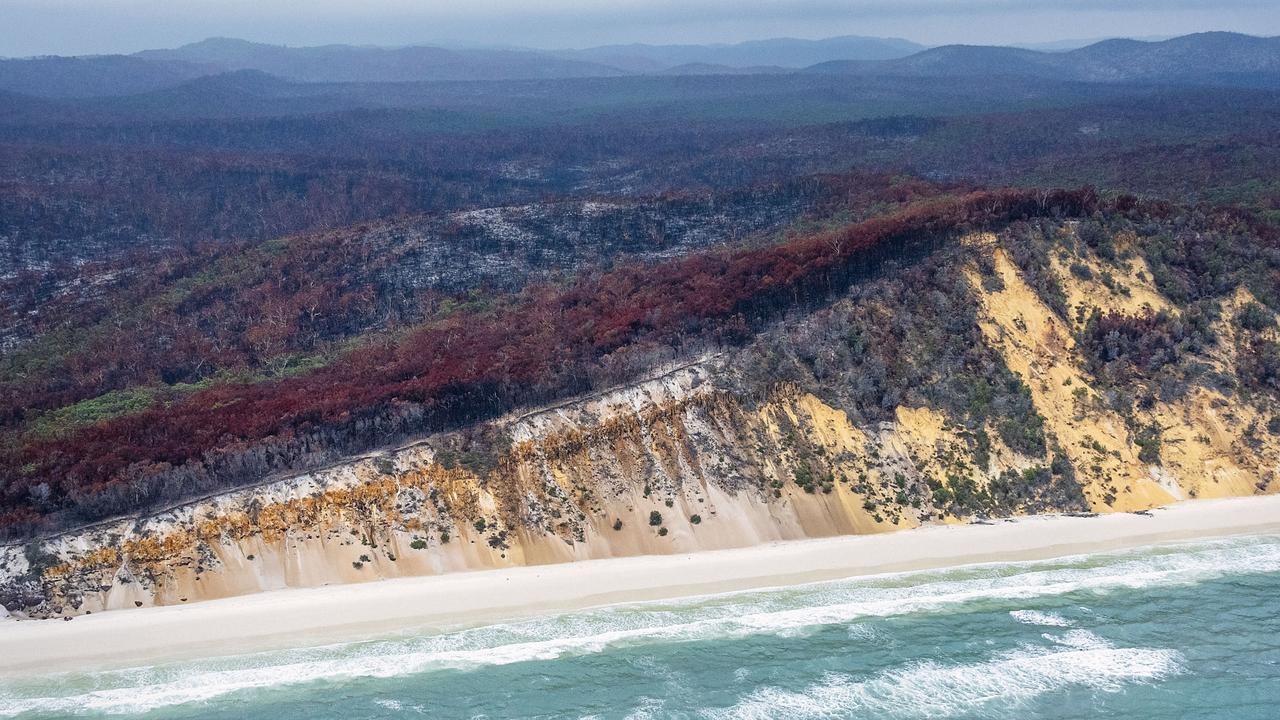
(1181, 631)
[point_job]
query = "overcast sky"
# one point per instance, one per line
(32, 27)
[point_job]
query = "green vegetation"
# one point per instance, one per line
(804, 478)
(1148, 441)
(1255, 318)
(64, 420)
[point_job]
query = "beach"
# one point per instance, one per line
(315, 616)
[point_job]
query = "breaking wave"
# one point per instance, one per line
(929, 689)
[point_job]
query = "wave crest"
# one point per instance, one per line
(929, 689)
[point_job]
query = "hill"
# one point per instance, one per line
(777, 52)
(713, 69)
(346, 63)
(1201, 58)
(61, 77)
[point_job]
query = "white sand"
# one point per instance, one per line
(293, 618)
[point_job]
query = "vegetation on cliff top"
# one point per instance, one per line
(541, 344)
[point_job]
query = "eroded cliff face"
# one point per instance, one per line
(1207, 446)
(579, 481)
(688, 460)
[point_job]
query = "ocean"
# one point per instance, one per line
(1188, 630)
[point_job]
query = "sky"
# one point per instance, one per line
(69, 27)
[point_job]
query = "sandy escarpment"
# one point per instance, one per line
(698, 456)
(577, 481)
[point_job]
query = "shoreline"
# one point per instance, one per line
(337, 613)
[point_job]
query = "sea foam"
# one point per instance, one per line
(1035, 617)
(929, 689)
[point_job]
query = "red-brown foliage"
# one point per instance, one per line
(471, 367)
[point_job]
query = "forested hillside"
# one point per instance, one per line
(323, 371)
(956, 355)
(240, 310)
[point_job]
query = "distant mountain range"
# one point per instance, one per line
(347, 63)
(1218, 57)
(93, 76)
(1077, 43)
(774, 53)
(1209, 57)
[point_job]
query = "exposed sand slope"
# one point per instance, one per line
(1206, 451)
(1038, 345)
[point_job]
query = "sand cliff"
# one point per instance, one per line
(679, 462)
